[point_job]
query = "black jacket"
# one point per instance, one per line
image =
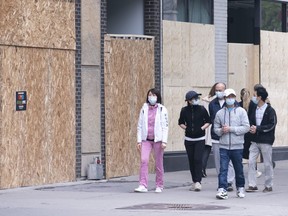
(214, 107)
(265, 132)
(194, 117)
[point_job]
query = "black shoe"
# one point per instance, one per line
(252, 189)
(267, 189)
(230, 187)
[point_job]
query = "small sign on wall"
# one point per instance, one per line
(21, 100)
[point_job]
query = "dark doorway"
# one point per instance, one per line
(125, 17)
(241, 21)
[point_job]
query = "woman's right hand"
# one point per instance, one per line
(139, 146)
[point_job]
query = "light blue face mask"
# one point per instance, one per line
(254, 99)
(219, 94)
(152, 100)
(230, 101)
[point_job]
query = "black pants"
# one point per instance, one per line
(247, 144)
(206, 153)
(194, 150)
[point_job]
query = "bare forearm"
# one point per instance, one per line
(206, 125)
(183, 126)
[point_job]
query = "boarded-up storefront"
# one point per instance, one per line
(243, 67)
(37, 55)
(266, 64)
(188, 64)
(129, 74)
(273, 67)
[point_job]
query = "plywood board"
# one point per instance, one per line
(243, 67)
(43, 23)
(188, 54)
(129, 74)
(188, 64)
(37, 145)
(274, 64)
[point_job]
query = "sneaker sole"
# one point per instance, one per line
(160, 191)
(251, 191)
(140, 191)
(221, 197)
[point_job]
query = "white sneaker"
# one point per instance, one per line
(258, 173)
(222, 194)
(158, 190)
(197, 186)
(141, 189)
(240, 192)
(192, 188)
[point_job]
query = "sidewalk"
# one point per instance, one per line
(116, 198)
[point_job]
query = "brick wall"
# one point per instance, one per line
(78, 87)
(103, 32)
(152, 27)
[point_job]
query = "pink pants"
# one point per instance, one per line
(146, 148)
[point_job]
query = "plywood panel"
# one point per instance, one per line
(37, 145)
(43, 23)
(188, 63)
(129, 73)
(243, 60)
(274, 64)
(188, 54)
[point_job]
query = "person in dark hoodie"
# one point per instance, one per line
(263, 122)
(214, 106)
(194, 119)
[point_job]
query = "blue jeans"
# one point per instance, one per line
(236, 157)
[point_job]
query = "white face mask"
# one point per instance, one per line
(152, 100)
(254, 99)
(195, 101)
(219, 94)
(230, 101)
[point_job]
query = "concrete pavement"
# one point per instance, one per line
(116, 197)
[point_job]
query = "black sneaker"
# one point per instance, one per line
(267, 189)
(252, 189)
(230, 187)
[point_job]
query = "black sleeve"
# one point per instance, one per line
(271, 124)
(211, 111)
(251, 107)
(181, 119)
